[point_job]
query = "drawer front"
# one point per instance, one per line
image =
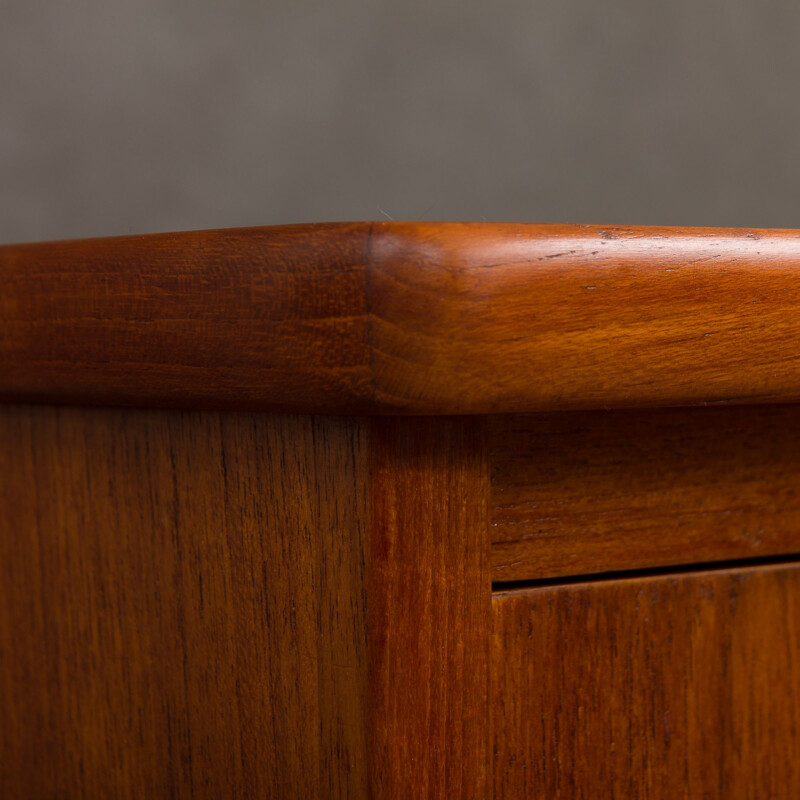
(685, 685)
(604, 491)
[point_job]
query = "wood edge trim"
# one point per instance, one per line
(435, 323)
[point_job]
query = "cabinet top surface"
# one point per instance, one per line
(395, 317)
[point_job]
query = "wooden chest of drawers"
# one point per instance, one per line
(393, 510)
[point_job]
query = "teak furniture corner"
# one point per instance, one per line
(396, 510)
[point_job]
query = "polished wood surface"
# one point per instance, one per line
(181, 605)
(242, 605)
(429, 609)
(588, 492)
(217, 319)
(665, 687)
(419, 318)
(469, 556)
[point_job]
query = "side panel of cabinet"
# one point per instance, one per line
(658, 687)
(181, 605)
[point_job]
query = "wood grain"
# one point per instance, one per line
(251, 318)
(589, 492)
(181, 605)
(678, 686)
(414, 318)
(429, 609)
(195, 604)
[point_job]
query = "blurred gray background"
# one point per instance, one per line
(153, 115)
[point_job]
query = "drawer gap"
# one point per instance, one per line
(500, 587)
